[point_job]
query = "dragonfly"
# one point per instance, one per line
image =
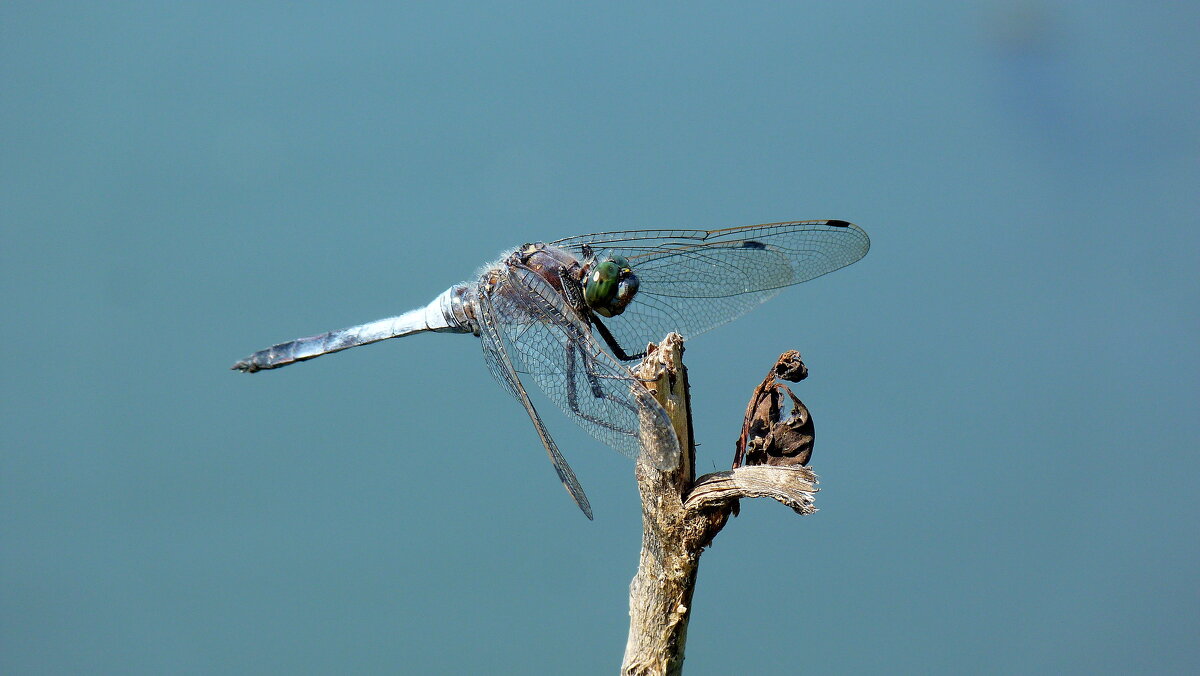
(565, 314)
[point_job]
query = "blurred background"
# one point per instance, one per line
(1001, 388)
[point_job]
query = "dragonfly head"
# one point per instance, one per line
(610, 285)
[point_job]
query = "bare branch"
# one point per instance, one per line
(794, 486)
(660, 596)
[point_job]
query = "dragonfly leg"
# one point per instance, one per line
(572, 397)
(574, 295)
(597, 390)
(611, 341)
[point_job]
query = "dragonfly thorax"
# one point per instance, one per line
(607, 281)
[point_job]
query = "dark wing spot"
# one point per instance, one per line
(751, 244)
(838, 224)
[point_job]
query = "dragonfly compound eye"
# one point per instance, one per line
(601, 287)
(610, 286)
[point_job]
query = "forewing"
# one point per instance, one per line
(550, 344)
(694, 280)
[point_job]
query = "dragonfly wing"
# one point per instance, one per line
(550, 344)
(496, 356)
(695, 280)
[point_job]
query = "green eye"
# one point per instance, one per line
(610, 286)
(601, 285)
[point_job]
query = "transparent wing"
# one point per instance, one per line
(550, 344)
(694, 280)
(496, 356)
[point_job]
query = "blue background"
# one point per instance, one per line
(1004, 389)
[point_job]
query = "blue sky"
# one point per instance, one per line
(1001, 388)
